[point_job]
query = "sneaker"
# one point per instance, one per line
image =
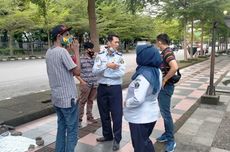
(170, 146)
(162, 138)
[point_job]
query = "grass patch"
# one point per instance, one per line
(183, 64)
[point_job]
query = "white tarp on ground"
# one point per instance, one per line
(15, 143)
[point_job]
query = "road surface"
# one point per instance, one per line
(29, 76)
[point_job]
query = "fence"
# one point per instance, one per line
(24, 48)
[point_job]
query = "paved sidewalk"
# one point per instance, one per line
(185, 100)
(207, 130)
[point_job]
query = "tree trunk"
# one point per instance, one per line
(93, 24)
(127, 47)
(49, 42)
(185, 41)
(191, 49)
(218, 39)
(226, 45)
(11, 43)
(202, 38)
(32, 48)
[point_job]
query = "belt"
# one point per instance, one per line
(107, 85)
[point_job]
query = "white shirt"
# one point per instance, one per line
(141, 104)
(106, 75)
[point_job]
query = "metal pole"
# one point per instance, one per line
(211, 87)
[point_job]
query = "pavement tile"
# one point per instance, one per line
(49, 138)
(213, 119)
(33, 133)
(183, 147)
(185, 88)
(175, 101)
(156, 133)
(203, 86)
(206, 141)
(195, 121)
(185, 104)
(125, 127)
(182, 92)
(198, 82)
(160, 124)
(178, 96)
(228, 108)
(222, 138)
(175, 117)
(23, 128)
(224, 98)
(214, 149)
(196, 93)
(189, 128)
(127, 148)
(178, 111)
(81, 147)
(180, 137)
(89, 139)
(54, 132)
(126, 136)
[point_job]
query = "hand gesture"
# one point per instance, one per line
(75, 45)
(112, 65)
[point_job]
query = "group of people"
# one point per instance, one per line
(100, 77)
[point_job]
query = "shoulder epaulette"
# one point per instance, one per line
(101, 52)
(119, 53)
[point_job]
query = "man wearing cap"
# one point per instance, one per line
(88, 83)
(109, 67)
(60, 70)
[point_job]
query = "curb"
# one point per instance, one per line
(179, 123)
(21, 58)
(30, 117)
(45, 108)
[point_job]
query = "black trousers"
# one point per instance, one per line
(140, 136)
(109, 101)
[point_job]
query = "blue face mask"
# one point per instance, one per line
(67, 40)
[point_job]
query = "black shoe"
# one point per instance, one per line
(116, 145)
(103, 139)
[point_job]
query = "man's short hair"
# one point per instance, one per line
(110, 37)
(164, 38)
(88, 45)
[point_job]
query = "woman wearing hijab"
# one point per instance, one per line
(141, 105)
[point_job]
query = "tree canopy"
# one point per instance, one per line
(127, 18)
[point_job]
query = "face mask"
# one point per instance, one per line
(112, 50)
(91, 54)
(66, 40)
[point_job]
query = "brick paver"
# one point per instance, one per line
(194, 83)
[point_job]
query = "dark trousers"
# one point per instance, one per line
(140, 136)
(109, 100)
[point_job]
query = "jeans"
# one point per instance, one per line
(164, 99)
(67, 131)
